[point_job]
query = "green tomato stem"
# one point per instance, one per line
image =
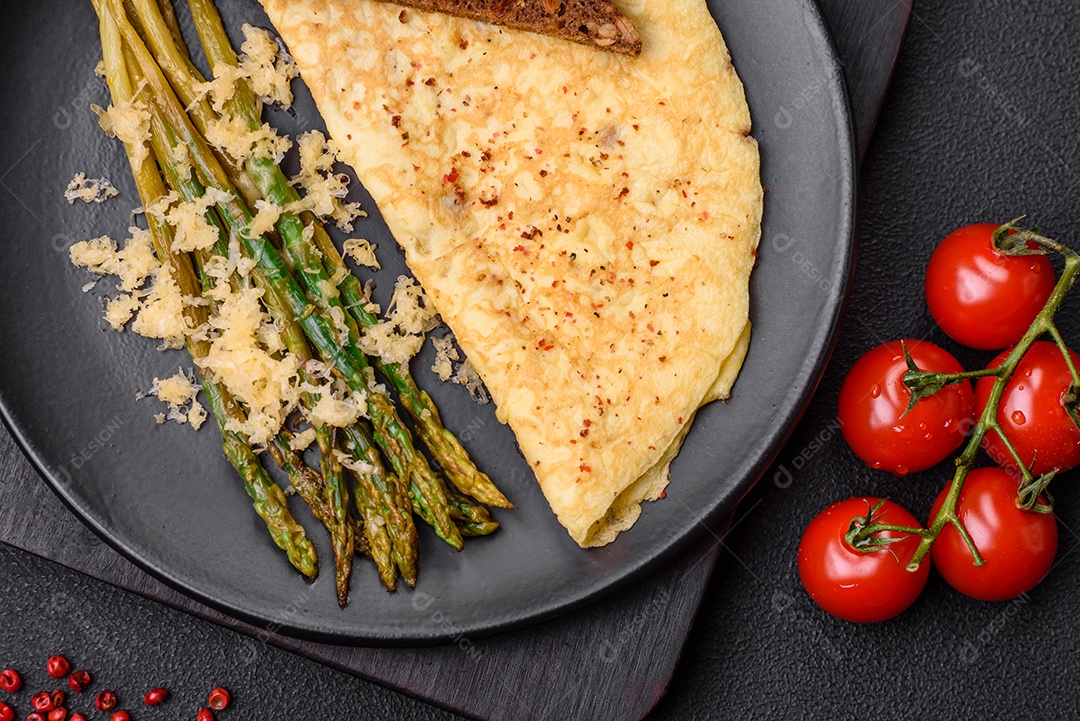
(1002, 374)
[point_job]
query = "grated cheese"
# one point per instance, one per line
(267, 66)
(263, 63)
(468, 377)
(89, 190)
(301, 441)
(266, 216)
(339, 412)
(130, 122)
(221, 88)
(97, 255)
(191, 229)
(162, 313)
(119, 310)
(399, 337)
(444, 353)
(176, 390)
(362, 252)
(266, 383)
(323, 190)
(179, 392)
(354, 465)
(337, 315)
(196, 415)
(232, 136)
(133, 264)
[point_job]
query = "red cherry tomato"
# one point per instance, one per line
(980, 297)
(1031, 414)
(874, 397)
(1018, 546)
(855, 585)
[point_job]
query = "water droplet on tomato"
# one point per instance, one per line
(928, 437)
(1018, 418)
(904, 431)
(901, 470)
(876, 464)
(875, 391)
(1027, 373)
(1020, 387)
(922, 426)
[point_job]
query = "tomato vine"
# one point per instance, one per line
(1008, 239)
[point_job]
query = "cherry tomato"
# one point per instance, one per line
(874, 397)
(980, 297)
(1031, 414)
(1018, 546)
(855, 585)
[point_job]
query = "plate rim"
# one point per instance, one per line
(823, 341)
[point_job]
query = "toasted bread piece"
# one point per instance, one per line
(598, 23)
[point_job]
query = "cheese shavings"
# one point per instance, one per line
(266, 384)
(301, 441)
(132, 265)
(323, 190)
(362, 252)
(162, 313)
(263, 64)
(400, 336)
(191, 230)
(444, 353)
(130, 122)
(354, 465)
(179, 392)
(269, 68)
(231, 135)
(89, 190)
(266, 216)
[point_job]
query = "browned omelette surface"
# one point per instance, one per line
(585, 222)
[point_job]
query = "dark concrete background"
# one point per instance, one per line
(979, 126)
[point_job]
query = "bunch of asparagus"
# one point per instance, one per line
(145, 55)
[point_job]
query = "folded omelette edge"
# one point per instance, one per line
(585, 223)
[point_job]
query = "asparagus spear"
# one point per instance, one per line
(164, 36)
(272, 183)
(472, 518)
(378, 491)
(272, 274)
(269, 501)
(308, 484)
(304, 255)
(376, 541)
(311, 487)
(332, 483)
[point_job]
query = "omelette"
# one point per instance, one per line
(585, 222)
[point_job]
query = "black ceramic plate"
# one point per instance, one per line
(166, 497)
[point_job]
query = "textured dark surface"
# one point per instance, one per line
(626, 648)
(979, 125)
(146, 491)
